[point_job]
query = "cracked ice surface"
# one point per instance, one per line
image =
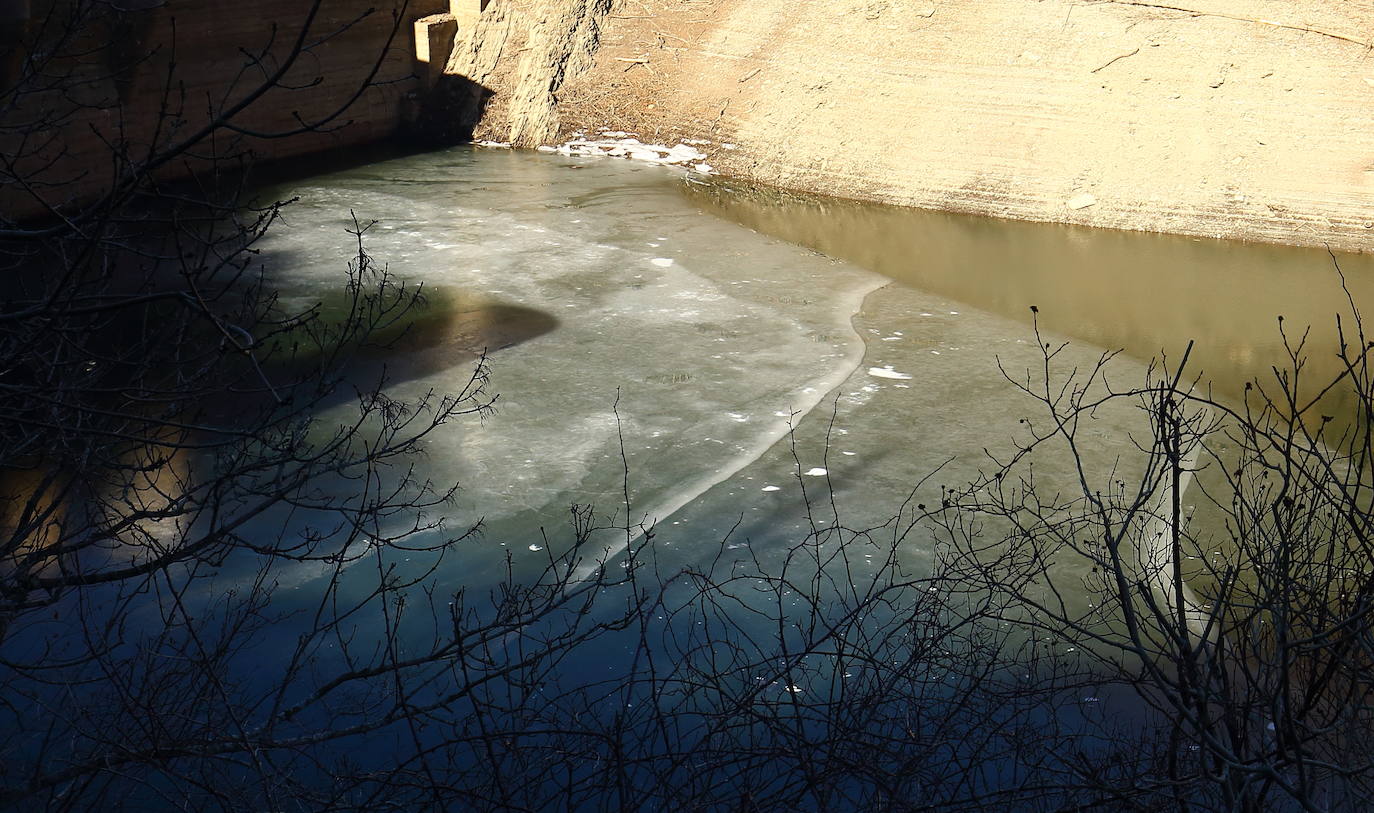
(713, 339)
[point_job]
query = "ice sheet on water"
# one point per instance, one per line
(731, 327)
(657, 351)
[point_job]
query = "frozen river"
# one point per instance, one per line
(718, 354)
(626, 307)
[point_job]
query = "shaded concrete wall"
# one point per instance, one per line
(144, 72)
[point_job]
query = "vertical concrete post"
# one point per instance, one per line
(466, 12)
(434, 37)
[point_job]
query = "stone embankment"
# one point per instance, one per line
(1249, 119)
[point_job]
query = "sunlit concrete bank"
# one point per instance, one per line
(1247, 119)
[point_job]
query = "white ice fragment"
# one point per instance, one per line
(887, 372)
(704, 169)
(500, 144)
(619, 145)
(770, 488)
(536, 547)
(546, 149)
(729, 146)
(1081, 201)
(816, 472)
(661, 262)
(684, 153)
(847, 454)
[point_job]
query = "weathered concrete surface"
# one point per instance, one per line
(1248, 119)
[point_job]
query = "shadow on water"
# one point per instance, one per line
(446, 328)
(1147, 294)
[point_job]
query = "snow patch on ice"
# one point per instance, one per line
(815, 472)
(615, 145)
(887, 372)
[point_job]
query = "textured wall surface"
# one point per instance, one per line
(1237, 118)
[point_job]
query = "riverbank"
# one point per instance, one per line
(1238, 119)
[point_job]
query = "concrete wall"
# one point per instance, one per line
(1249, 119)
(159, 71)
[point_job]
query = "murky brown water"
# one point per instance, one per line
(1146, 294)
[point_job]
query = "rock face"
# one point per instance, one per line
(1249, 119)
(145, 71)
(530, 49)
